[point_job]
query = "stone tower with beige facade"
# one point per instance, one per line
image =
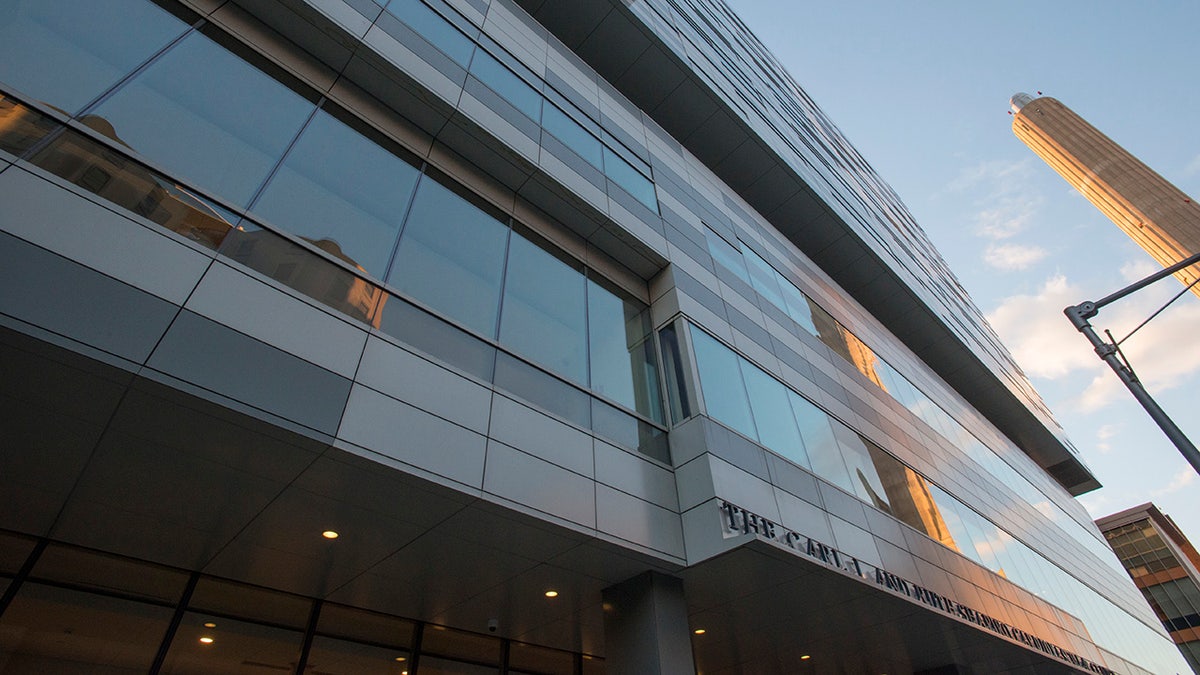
(1157, 215)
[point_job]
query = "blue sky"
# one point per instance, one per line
(922, 89)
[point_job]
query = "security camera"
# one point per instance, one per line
(493, 625)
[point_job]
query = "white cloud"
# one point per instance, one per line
(1039, 336)
(1008, 218)
(1183, 478)
(1164, 353)
(1103, 435)
(1011, 257)
(1003, 191)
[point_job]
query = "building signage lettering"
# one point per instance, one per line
(737, 520)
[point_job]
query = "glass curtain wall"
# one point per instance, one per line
(193, 135)
(743, 397)
(748, 266)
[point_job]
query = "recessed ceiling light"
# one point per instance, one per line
(401, 658)
(551, 594)
(209, 624)
(329, 534)
(206, 640)
(699, 631)
(805, 657)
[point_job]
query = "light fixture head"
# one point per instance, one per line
(329, 534)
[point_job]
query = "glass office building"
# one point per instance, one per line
(1165, 566)
(495, 336)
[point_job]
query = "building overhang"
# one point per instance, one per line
(626, 53)
(111, 460)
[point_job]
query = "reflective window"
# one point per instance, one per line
(505, 83)
(630, 179)
(721, 384)
(544, 310)
(726, 255)
(773, 415)
(451, 257)
(341, 188)
(763, 278)
(126, 183)
(799, 307)
(863, 476)
(301, 269)
(207, 115)
(572, 135)
(21, 127)
(820, 444)
(439, 339)
(434, 28)
(68, 52)
(679, 397)
(543, 390)
(620, 353)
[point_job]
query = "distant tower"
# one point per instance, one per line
(1157, 215)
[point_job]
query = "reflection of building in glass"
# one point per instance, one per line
(331, 337)
(299, 269)
(1154, 213)
(1165, 567)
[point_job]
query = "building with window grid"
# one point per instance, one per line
(1164, 566)
(482, 336)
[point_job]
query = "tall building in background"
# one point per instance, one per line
(1165, 566)
(499, 336)
(1153, 212)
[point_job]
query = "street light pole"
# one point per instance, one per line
(1109, 353)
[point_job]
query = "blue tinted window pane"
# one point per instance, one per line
(431, 26)
(301, 269)
(543, 390)
(762, 277)
(68, 52)
(544, 310)
(20, 127)
(721, 384)
(340, 188)
(773, 415)
(630, 179)
(451, 258)
(797, 304)
(207, 116)
(437, 338)
(621, 357)
(863, 476)
(819, 442)
(726, 255)
(504, 82)
(572, 135)
(952, 510)
(124, 182)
